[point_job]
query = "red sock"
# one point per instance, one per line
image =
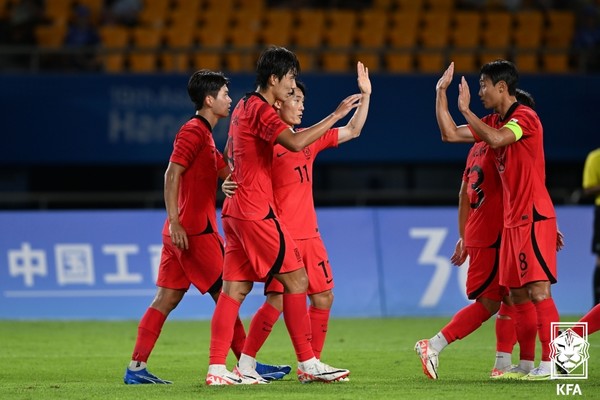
(221, 328)
(148, 331)
(506, 335)
(526, 327)
(319, 320)
(295, 315)
(465, 321)
(546, 314)
(239, 337)
(260, 328)
(593, 320)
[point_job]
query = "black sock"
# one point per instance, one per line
(597, 285)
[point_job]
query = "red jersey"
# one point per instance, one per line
(254, 127)
(484, 191)
(292, 176)
(522, 168)
(194, 148)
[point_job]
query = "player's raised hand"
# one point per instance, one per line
(228, 187)
(346, 105)
(446, 78)
(464, 95)
(364, 83)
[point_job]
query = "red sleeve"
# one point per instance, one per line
(475, 136)
(185, 147)
(269, 125)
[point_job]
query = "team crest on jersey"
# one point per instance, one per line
(307, 153)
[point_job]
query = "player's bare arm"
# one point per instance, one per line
(172, 180)
(496, 138)
(296, 142)
(449, 130)
(460, 251)
(354, 127)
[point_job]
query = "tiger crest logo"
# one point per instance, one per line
(569, 352)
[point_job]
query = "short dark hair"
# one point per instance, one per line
(276, 61)
(204, 83)
(300, 85)
(502, 70)
(525, 98)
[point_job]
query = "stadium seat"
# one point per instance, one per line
(278, 26)
(434, 32)
(334, 61)
(465, 61)
(340, 28)
(154, 13)
(310, 27)
(528, 30)
(187, 5)
(496, 33)
(560, 29)
(251, 8)
(410, 5)
(207, 60)
(440, 5)
(58, 11)
(146, 43)
(96, 8)
(307, 60)
(383, 5)
(404, 29)
(527, 61)
(373, 25)
(430, 62)
(219, 5)
(487, 55)
(557, 63)
(243, 37)
(183, 16)
(179, 39)
(114, 37)
(399, 61)
(466, 29)
(371, 37)
(50, 36)
(339, 37)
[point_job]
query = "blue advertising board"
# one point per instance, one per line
(386, 261)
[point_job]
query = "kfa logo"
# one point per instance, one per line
(568, 389)
(569, 350)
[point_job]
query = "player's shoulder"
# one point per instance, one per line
(524, 111)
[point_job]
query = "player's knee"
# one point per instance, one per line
(323, 300)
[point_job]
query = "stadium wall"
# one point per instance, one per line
(387, 262)
(131, 119)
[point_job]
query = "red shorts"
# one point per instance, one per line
(256, 249)
(201, 264)
(528, 254)
(483, 277)
(314, 255)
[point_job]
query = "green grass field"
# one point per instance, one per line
(86, 360)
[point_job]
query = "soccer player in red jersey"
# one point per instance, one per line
(292, 176)
(258, 244)
(480, 227)
(192, 250)
(530, 237)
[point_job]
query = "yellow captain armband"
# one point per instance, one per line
(513, 125)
